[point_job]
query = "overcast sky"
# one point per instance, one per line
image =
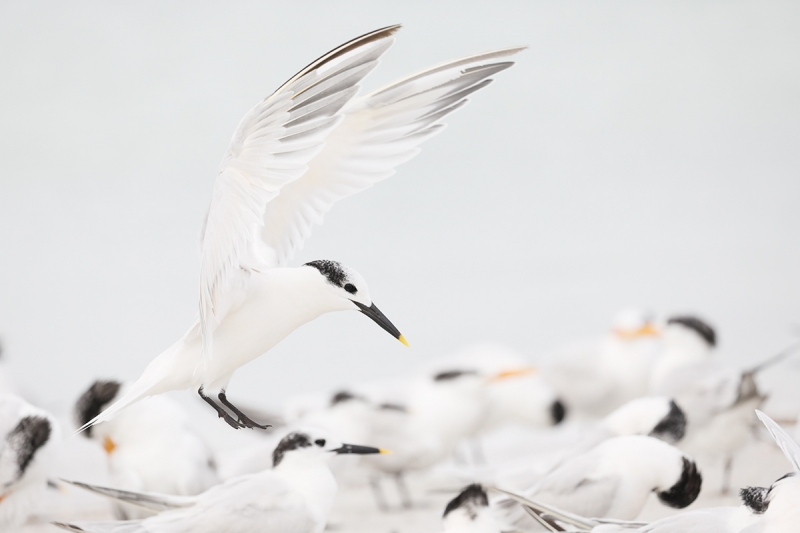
(639, 153)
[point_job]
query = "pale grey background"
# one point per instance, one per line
(640, 152)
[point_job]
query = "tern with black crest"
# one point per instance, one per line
(294, 496)
(299, 151)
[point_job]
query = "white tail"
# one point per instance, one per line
(145, 386)
(135, 393)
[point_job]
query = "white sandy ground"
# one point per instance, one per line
(355, 510)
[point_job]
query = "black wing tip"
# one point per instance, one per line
(388, 30)
(68, 527)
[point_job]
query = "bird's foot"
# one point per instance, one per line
(221, 413)
(244, 420)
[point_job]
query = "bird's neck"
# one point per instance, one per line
(470, 521)
(300, 294)
(314, 481)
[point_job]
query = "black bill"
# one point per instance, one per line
(379, 318)
(360, 450)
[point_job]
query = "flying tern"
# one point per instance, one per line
(294, 496)
(295, 154)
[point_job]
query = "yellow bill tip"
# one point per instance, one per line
(384, 452)
(403, 340)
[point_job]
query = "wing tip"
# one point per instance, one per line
(68, 527)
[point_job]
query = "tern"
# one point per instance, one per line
(29, 437)
(595, 377)
(469, 512)
(613, 480)
(771, 509)
(294, 496)
(150, 447)
(525, 463)
(295, 154)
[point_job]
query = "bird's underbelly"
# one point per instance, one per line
(242, 337)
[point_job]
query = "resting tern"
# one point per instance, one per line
(469, 512)
(295, 154)
(294, 496)
(764, 510)
(150, 446)
(28, 444)
(718, 399)
(686, 340)
(655, 416)
(612, 480)
(516, 392)
(596, 377)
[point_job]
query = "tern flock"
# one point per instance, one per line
(637, 411)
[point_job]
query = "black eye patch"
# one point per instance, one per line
(320, 442)
(350, 288)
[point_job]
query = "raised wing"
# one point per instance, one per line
(786, 443)
(272, 147)
(379, 132)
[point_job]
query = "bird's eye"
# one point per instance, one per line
(320, 442)
(350, 288)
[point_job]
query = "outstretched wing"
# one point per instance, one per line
(380, 131)
(786, 443)
(271, 148)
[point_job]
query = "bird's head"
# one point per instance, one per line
(91, 403)
(347, 290)
(313, 445)
(469, 511)
(657, 416)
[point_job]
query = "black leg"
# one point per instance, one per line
(375, 485)
(726, 476)
(402, 488)
(220, 411)
(243, 418)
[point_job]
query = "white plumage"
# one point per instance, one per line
(612, 480)
(524, 463)
(296, 153)
(767, 510)
(597, 376)
(29, 441)
(295, 496)
(151, 447)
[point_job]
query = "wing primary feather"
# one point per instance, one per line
(379, 131)
(343, 49)
(272, 146)
(786, 443)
